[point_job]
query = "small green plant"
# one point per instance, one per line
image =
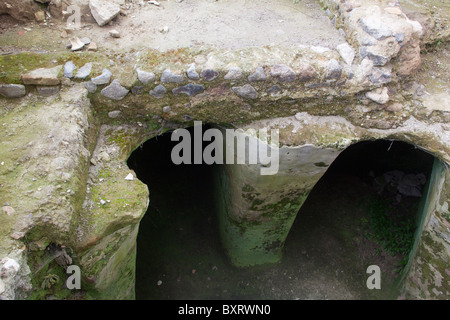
(49, 281)
(394, 233)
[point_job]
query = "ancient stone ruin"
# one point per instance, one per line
(85, 83)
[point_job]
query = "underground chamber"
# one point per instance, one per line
(367, 209)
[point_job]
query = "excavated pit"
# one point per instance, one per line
(329, 247)
(326, 74)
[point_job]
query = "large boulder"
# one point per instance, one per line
(21, 10)
(43, 76)
(104, 11)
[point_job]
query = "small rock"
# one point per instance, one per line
(410, 184)
(167, 109)
(413, 180)
(16, 235)
(47, 91)
(69, 68)
(11, 264)
(320, 49)
(364, 69)
(395, 107)
(158, 92)
(90, 86)
(12, 90)
(129, 177)
(85, 40)
(115, 91)
(368, 41)
(104, 78)
(283, 73)
(191, 73)
(349, 72)
(347, 53)
(420, 90)
(104, 156)
(164, 29)
(145, 77)
(92, 46)
(245, 91)
(76, 44)
(169, 77)
(417, 27)
(334, 69)
(189, 89)
(307, 73)
(39, 16)
(399, 37)
(379, 95)
(234, 73)
(8, 210)
(258, 75)
(377, 58)
(114, 33)
(43, 76)
(84, 71)
(137, 90)
(380, 76)
(409, 61)
(209, 74)
(274, 90)
(375, 27)
(103, 11)
(114, 114)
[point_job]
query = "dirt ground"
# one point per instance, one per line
(435, 69)
(226, 24)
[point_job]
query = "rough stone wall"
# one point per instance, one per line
(258, 211)
(428, 275)
(42, 176)
(115, 202)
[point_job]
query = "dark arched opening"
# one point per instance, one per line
(177, 234)
(329, 247)
(364, 211)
